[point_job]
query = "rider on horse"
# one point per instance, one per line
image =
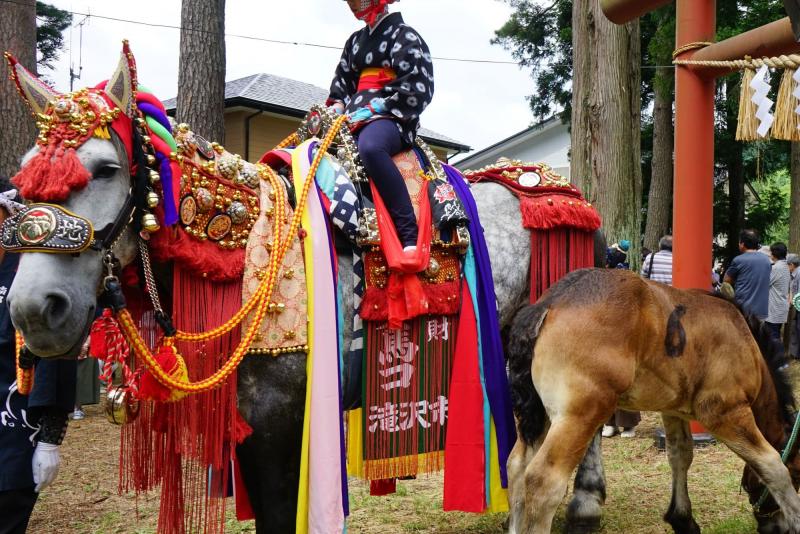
(383, 82)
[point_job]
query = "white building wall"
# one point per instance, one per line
(549, 144)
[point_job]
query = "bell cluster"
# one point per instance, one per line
(149, 221)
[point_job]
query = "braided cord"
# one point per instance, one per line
(792, 61)
(264, 291)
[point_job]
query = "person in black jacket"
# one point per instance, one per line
(383, 82)
(31, 427)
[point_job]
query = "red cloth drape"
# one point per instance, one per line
(464, 453)
(406, 299)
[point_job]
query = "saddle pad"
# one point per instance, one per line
(285, 327)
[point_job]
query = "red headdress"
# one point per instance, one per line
(371, 9)
(66, 121)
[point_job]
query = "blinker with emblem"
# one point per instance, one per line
(46, 228)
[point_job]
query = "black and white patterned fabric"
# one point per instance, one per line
(345, 205)
(391, 44)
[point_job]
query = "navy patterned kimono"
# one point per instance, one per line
(394, 45)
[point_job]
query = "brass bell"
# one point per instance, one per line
(120, 406)
(433, 268)
(150, 223)
(151, 159)
(152, 199)
(154, 177)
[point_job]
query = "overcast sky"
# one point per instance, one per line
(477, 104)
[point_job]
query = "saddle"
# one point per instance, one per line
(561, 221)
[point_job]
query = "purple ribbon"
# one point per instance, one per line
(494, 366)
(151, 111)
(170, 210)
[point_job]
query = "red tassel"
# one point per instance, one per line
(151, 389)
(51, 175)
(241, 430)
(558, 211)
(98, 348)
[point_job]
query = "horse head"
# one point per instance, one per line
(775, 413)
(84, 177)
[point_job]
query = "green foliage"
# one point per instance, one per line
(539, 36)
(51, 23)
(769, 214)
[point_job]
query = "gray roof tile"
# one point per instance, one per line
(293, 94)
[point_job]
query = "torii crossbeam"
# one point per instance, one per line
(694, 119)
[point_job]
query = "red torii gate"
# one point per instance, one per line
(694, 119)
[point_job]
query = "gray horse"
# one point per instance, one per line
(54, 297)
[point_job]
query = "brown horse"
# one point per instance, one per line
(605, 339)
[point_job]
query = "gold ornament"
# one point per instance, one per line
(150, 223)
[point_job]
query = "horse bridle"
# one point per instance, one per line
(50, 228)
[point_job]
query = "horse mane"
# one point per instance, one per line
(770, 350)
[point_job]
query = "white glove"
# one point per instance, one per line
(46, 460)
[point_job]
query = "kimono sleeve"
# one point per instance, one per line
(54, 385)
(411, 92)
(345, 80)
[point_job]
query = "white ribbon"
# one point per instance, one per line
(7, 202)
(761, 100)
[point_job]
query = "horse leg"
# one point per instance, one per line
(737, 429)
(547, 476)
(271, 399)
(589, 493)
(521, 455)
(680, 450)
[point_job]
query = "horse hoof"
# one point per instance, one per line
(582, 526)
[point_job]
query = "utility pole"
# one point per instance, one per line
(72, 74)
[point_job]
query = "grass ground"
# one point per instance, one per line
(84, 501)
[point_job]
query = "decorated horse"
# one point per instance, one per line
(684, 353)
(240, 331)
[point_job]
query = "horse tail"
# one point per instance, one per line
(528, 407)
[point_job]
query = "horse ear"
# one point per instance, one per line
(121, 87)
(36, 93)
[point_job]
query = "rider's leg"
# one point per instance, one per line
(378, 141)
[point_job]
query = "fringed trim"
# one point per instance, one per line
(747, 126)
(443, 299)
(201, 258)
(51, 175)
(403, 466)
(547, 212)
(787, 121)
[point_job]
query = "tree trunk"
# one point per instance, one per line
(659, 203)
(201, 77)
(734, 163)
(18, 36)
(606, 100)
(794, 201)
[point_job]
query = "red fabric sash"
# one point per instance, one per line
(375, 78)
(464, 456)
(406, 299)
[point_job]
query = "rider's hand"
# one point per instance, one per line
(337, 107)
(375, 107)
(46, 460)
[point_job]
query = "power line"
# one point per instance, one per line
(251, 37)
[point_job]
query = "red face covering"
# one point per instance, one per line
(370, 10)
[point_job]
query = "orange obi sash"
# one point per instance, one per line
(375, 78)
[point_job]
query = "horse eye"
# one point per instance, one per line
(105, 172)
